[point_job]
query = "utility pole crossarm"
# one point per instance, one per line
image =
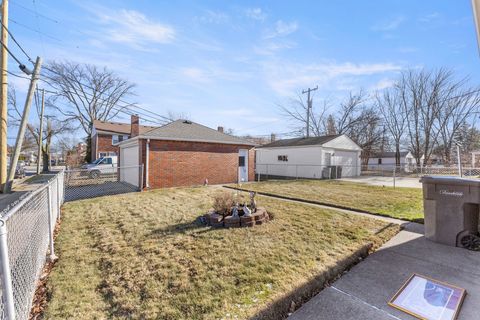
(309, 106)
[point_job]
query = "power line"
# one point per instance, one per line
(32, 11)
(16, 75)
(16, 42)
(37, 31)
(156, 115)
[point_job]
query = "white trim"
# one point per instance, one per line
(147, 154)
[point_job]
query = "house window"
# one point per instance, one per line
(116, 138)
(241, 161)
(283, 158)
(379, 160)
(102, 154)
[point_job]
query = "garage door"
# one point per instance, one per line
(348, 161)
(129, 162)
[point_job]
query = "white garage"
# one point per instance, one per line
(325, 157)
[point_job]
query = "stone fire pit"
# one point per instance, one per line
(236, 215)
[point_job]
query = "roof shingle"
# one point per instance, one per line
(191, 131)
(296, 142)
(118, 127)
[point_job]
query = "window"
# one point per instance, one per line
(241, 161)
(379, 160)
(118, 138)
(112, 154)
(102, 154)
(107, 161)
(283, 158)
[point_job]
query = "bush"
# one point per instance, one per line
(222, 202)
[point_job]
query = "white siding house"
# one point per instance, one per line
(387, 160)
(313, 157)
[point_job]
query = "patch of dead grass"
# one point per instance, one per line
(144, 255)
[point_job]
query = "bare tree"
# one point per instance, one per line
(424, 98)
(459, 109)
(349, 114)
(91, 93)
(393, 117)
(295, 112)
(54, 127)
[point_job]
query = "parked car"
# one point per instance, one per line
(101, 166)
(19, 171)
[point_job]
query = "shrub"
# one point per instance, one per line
(223, 202)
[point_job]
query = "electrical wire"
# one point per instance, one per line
(16, 42)
(32, 11)
(16, 75)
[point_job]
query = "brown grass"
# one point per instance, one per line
(401, 203)
(143, 255)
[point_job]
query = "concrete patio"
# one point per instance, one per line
(403, 182)
(364, 291)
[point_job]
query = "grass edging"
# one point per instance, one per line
(283, 307)
(327, 204)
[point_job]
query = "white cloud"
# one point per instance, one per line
(270, 48)
(134, 28)
(256, 14)
(430, 17)
(212, 72)
(216, 17)
(389, 25)
(383, 84)
(286, 78)
(282, 29)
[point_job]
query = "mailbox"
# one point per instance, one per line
(451, 207)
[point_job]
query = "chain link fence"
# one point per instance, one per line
(26, 236)
(292, 172)
(100, 181)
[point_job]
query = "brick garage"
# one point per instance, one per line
(184, 153)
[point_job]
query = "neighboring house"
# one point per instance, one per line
(476, 159)
(315, 157)
(105, 136)
(184, 153)
(387, 159)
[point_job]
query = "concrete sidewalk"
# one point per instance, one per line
(363, 292)
(403, 182)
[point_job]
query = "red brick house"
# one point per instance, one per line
(185, 153)
(105, 136)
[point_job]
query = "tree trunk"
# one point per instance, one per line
(397, 154)
(46, 160)
(88, 156)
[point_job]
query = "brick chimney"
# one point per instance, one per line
(273, 137)
(220, 129)
(134, 126)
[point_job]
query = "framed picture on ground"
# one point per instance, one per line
(428, 299)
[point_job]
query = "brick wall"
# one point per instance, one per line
(104, 144)
(175, 163)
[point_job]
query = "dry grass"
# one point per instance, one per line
(143, 255)
(401, 203)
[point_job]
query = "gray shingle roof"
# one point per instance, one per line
(296, 142)
(183, 130)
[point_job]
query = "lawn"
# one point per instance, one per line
(144, 255)
(402, 203)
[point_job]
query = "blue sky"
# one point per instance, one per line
(232, 63)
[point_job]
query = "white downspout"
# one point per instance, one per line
(147, 153)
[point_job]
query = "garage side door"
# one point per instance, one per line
(129, 162)
(348, 161)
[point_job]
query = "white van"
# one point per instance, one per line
(101, 166)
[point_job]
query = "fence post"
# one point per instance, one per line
(267, 173)
(7, 290)
(51, 224)
(57, 178)
(394, 173)
(296, 172)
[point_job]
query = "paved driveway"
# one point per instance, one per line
(364, 291)
(387, 181)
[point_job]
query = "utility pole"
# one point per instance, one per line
(23, 125)
(309, 107)
(40, 134)
(3, 95)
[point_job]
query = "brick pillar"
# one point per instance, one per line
(135, 126)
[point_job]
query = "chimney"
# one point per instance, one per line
(220, 129)
(134, 126)
(272, 137)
